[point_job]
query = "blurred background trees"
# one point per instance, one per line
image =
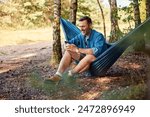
(26, 13)
(73, 11)
(39, 13)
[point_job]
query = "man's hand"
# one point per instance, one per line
(72, 48)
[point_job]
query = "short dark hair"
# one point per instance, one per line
(88, 19)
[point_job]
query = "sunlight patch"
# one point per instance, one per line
(91, 95)
(134, 65)
(25, 56)
(4, 70)
(9, 68)
(103, 80)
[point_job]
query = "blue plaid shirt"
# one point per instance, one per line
(96, 42)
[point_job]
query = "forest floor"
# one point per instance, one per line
(23, 68)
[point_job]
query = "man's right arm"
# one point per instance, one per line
(85, 51)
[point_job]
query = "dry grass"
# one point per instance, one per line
(15, 37)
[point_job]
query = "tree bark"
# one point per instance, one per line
(103, 18)
(115, 31)
(57, 53)
(147, 8)
(73, 11)
(137, 18)
(140, 43)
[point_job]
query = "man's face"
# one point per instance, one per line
(85, 27)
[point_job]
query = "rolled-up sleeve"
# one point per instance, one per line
(99, 45)
(95, 51)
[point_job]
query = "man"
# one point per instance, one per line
(84, 48)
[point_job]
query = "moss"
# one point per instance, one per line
(125, 93)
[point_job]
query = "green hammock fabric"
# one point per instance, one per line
(100, 66)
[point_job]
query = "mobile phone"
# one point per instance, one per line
(66, 42)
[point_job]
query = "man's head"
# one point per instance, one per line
(85, 24)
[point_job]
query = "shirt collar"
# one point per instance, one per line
(88, 36)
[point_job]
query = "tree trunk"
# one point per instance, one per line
(140, 43)
(73, 11)
(115, 31)
(147, 8)
(103, 18)
(57, 53)
(137, 18)
(147, 2)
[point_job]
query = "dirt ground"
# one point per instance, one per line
(25, 63)
(23, 69)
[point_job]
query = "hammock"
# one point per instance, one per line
(102, 63)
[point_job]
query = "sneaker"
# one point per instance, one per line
(70, 74)
(55, 78)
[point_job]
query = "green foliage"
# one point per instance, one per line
(37, 13)
(65, 7)
(126, 93)
(127, 17)
(33, 13)
(115, 36)
(91, 8)
(26, 13)
(83, 9)
(142, 9)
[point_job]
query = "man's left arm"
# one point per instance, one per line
(99, 45)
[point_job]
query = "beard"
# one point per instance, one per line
(84, 32)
